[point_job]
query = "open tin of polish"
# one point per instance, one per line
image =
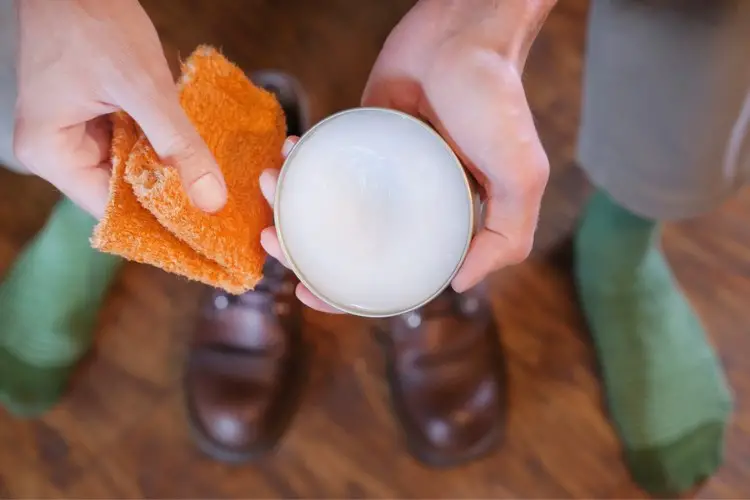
(374, 212)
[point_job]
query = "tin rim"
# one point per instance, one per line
(472, 197)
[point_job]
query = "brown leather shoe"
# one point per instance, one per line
(447, 378)
(245, 368)
(247, 362)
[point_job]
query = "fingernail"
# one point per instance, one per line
(265, 237)
(208, 194)
(266, 182)
(458, 285)
(287, 147)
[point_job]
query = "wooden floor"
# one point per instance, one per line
(120, 433)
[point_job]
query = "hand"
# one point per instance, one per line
(80, 60)
(457, 64)
(270, 241)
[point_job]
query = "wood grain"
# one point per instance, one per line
(120, 433)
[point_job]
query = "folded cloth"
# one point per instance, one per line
(149, 218)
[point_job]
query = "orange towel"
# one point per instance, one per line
(149, 218)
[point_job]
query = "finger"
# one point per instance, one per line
(390, 88)
(310, 300)
(269, 238)
(175, 140)
(96, 142)
(268, 180)
(270, 243)
(394, 81)
(488, 252)
(504, 241)
(88, 188)
(74, 159)
(288, 145)
(396, 93)
(270, 177)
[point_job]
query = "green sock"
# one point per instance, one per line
(49, 302)
(665, 388)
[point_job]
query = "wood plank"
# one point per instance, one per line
(120, 432)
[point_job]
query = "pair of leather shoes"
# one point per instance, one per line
(247, 361)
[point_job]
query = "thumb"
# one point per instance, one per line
(399, 93)
(178, 144)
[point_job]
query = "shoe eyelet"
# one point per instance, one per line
(221, 302)
(469, 305)
(281, 308)
(413, 320)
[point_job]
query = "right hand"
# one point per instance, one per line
(80, 60)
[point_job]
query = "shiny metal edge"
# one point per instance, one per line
(473, 216)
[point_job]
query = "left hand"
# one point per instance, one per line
(459, 68)
(448, 64)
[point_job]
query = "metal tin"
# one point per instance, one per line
(475, 215)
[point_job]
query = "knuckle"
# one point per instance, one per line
(180, 149)
(539, 175)
(145, 82)
(533, 180)
(183, 154)
(520, 250)
(191, 161)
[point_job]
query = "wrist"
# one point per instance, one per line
(507, 27)
(532, 15)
